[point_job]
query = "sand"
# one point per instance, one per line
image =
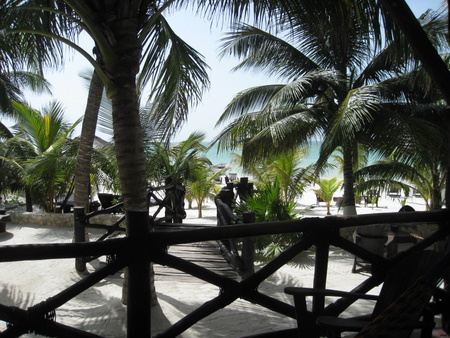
(99, 310)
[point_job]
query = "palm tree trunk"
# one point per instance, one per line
(200, 205)
(82, 171)
(28, 200)
(349, 207)
(129, 145)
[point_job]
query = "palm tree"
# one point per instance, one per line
(293, 178)
(202, 185)
(426, 174)
(286, 169)
(332, 90)
(44, 153)
(326, 190)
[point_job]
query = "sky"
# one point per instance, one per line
(71, 90)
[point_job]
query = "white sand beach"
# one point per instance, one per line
(100, 311)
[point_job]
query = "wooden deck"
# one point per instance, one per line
(204, 254)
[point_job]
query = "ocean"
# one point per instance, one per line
(226, 158)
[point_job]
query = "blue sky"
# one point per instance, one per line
(70, 89)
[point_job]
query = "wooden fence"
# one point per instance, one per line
(142, 246)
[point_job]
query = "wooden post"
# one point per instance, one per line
(4, 217)
(138, 312)
(248, 247)
(79, 229)
(320, 274)
(244, 188)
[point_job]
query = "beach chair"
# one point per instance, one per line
(373, 238)
(402, 301)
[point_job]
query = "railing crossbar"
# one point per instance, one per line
(74, 290)
(275, 264)
(302, 225)
(30, 252)
(198, 314)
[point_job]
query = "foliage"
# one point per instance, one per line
(279, 182)
(417, 160)
(43, 153)
(21, 61)
(178, 165)
(268, 206)
(104, 172)
(287, 169)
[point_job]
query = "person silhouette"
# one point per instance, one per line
(406, 208)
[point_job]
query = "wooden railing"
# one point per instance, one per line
(318, 232)
(160, 198)
(142, 246)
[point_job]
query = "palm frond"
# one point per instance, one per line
(262, 51)
(179, 80)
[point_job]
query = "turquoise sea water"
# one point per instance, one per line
(225, 158)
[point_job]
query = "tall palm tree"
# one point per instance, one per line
(84, 157)
(333, 68)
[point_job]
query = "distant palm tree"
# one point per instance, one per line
(176, 165)
(202, 185)
(293, 178)
(327, 189)
(428, 179)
